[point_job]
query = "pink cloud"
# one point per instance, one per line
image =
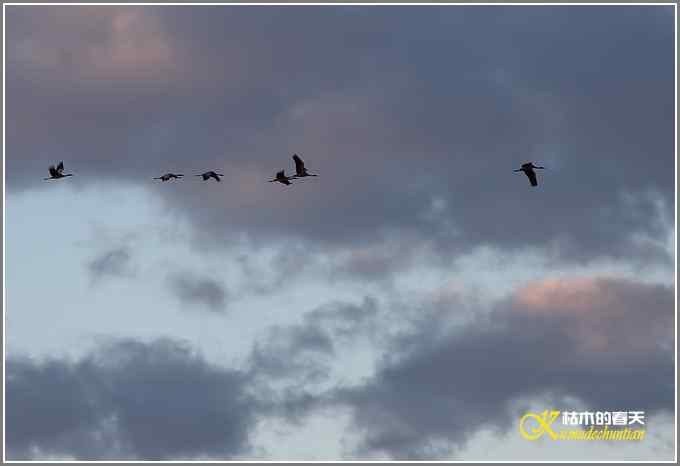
(602, 315)
(573, 294)
(96, 43)
(137, 44)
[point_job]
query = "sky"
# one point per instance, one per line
(413, 301)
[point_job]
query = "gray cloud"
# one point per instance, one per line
(302, 352)
(434, 93)
(192, 289)
(345, 320)
(115, 262)
(291, 367)
(127, 400)
(161, 400)
(414, 118)
(293, 352)
(605, 342)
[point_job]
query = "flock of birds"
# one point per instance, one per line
(300, 172)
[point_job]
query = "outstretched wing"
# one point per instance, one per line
(60, 167)
(532, 177)
(281, 174)
(214, 175)
(299, 164)
(53, 171)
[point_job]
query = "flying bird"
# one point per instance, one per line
(58, 172)
(300, 170)
(528, 169)
(211, 174)
(169, 176)
(282, 178)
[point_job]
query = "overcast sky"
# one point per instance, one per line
(411, 302)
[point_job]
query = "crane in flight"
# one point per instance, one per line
(282, 178)
(58, 172)
(169, 176)
(528, 169)
(211, 174)
(300, 170)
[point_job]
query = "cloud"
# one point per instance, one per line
(106, 43)
(345, 320)
(601, 343)
(414, 118)
(605, 342)
(115, 262)
(127, 400)
(392, 126)
(303, 352)
(192, 289)
(293, 352)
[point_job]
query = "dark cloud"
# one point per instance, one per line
(161, 400)
(191, 289)
(414, 117)
(115, 262)
(606, 342)
(127, 400)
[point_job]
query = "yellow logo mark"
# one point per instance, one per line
(541, 425)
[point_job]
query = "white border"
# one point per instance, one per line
(4, 171)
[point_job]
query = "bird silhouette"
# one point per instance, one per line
(528, 169)
(169, 176)
(282, 178)
(211, 174)
(58, 172)
(300, 170)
